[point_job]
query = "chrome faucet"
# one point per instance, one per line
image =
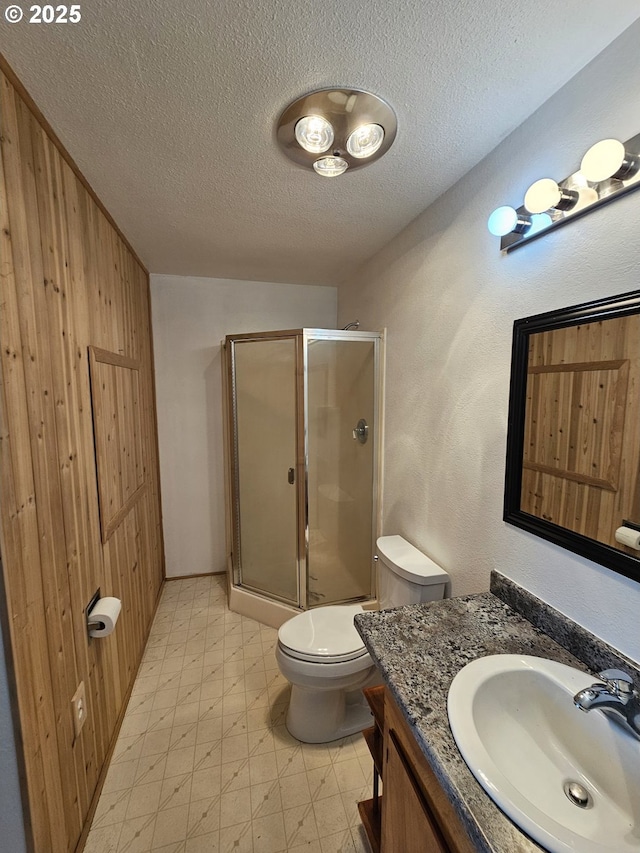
(616, 696)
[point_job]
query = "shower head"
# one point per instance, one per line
(354, 325)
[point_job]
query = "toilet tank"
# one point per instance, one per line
(406, 575)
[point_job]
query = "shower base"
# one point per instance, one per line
(267, 612)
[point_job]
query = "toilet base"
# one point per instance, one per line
(321, 716)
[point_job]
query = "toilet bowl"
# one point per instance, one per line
(323, 657)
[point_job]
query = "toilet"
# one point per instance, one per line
(323, 657)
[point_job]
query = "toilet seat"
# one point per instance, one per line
(324, 659)
(324, 635)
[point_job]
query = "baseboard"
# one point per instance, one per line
(191, 577)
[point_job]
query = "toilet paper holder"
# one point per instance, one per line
(92, 623)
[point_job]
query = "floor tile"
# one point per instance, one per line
(176, 791)
(234, 775)
(294, 790)
(349, 774)
(300, 825)
(204, 762)
(112, 808)
(322, 782)
(144, 800)
(120, 775)
(341, 842)
(269, 835)
(262, 768)
(235, 807)
(171, 825)
(151, 768)
(237, 839)
(204, 816)
(103, 840)
(265, 799)
(205, 784)
(181, 760)
(330, 814)
(209, 843)
(137, 834)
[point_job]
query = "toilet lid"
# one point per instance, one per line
(325, 632)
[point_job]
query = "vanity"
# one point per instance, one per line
(431, 802)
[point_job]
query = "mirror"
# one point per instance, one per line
(573, 445)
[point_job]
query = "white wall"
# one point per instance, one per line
(449, 298)
(190, 318)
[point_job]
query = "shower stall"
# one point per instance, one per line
(303, 443)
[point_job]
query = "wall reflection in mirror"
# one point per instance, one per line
(573, 454)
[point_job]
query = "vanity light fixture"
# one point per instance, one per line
(609, 169)
(335, 130)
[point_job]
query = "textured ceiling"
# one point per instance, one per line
(169, 108)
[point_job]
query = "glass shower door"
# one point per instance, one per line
(265, 445)
(341, 407)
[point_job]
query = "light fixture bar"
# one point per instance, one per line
(576, 195)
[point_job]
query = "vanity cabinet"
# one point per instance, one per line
(416, 815)
(371, 810)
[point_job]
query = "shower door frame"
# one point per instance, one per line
(302, 338)
(377, 338)
(235, 528)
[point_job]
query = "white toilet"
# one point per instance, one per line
(323, 656)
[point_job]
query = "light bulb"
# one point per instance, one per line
(506, 219)
(365, 140)
(330, 167)
(546, 194)
(314, 134)
(586, 197)
(539, 221)
(608, 159)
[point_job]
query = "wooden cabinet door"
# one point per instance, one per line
(408, 825)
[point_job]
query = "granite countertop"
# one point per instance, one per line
(419, 649)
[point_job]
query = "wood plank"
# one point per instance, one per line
(70, 282)
(581, 426)
(370, 814)
(22, 590)
(375, 700)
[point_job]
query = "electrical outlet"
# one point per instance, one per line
(79, 709)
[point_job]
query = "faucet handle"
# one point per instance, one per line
(618, 681)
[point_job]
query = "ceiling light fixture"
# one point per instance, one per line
(349, 127)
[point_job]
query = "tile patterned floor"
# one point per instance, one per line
(204, 763)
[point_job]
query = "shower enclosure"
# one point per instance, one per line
(303, 464)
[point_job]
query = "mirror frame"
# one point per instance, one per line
(588, 312)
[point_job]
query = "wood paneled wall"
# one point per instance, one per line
(582, 443)
(69, 281)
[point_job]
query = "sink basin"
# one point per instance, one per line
(514, 721)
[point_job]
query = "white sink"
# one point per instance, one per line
(514, 721)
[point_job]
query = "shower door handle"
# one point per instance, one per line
(361, 431)
(291, 476)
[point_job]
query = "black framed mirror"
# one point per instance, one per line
(573, 443)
